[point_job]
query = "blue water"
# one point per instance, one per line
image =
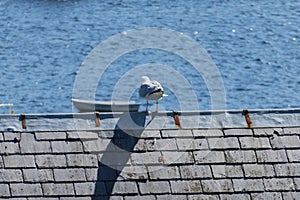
(254, 44)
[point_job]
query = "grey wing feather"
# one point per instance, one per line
(147, 89)
(156, 83)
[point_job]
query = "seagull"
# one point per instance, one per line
(151, 90)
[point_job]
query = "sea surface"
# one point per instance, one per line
(255, 46)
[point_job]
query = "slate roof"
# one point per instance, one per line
(166, 163)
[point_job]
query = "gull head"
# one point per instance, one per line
(145, 79)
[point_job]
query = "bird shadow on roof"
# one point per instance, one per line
(117, 153)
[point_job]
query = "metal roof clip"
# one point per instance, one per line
(247, 118)
(23, 119)
(176, 119)
(97, 119)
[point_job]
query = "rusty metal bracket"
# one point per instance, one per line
(176, 119)
(247, 118)
(97, 119)
(23, 119)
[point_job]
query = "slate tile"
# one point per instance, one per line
(285, 142)
(163, 172)
(279, 184)
(24, 189)
(240, 156)
(255, 143)
(217, 186)
(271, 156)
(238, 132)
(258, 170)
(181, 187)
(208, 157)
(223, 143)
(155, 187)
(227, 171)
(249, 185)
(206, 133)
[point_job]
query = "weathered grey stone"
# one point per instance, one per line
(287, 142)
(177, 133)
(123, 187)
(132, 173)
(28, 144)
(195, 171)
(146, 158)
(293, 155)
(287, 170)
(161, 145)
(224, 171)
(50, 161)
(91, 174)
(10, 175)
(67, 175)
(150, 134)
(203, 197)
(19, 161)
(239, 156)
(99, 145)
(207, 133)
(177, 157)
(255, 143)
(235, 196)
(43, 198)
(207, 157)
(141, 145)
(217, 186)
(249, 185)
(155, 187)
(238, 132)
(82, 135)
(279, 184)
(4, 190)
(291, 195)
(66, 147)
(114, 198)
(58, 189)
(121, 158)
(171, 196)
(38, 175)
(271, 156)
(82, 160)
(267, 131)
(50, 135)
(258, 170)
(24, 189)
(191, 144)
(267, 195)
(297, 183)
(149, 197)
(100, 188)
(107, 173)
(291, 130)
(11, 136)
(223, 143)
(106, 133)
(86, 188)
(180, 187)
(9, 148)
(168, 167)
(1, 137)
(75, 198)
(163, 172)
(1, 162)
